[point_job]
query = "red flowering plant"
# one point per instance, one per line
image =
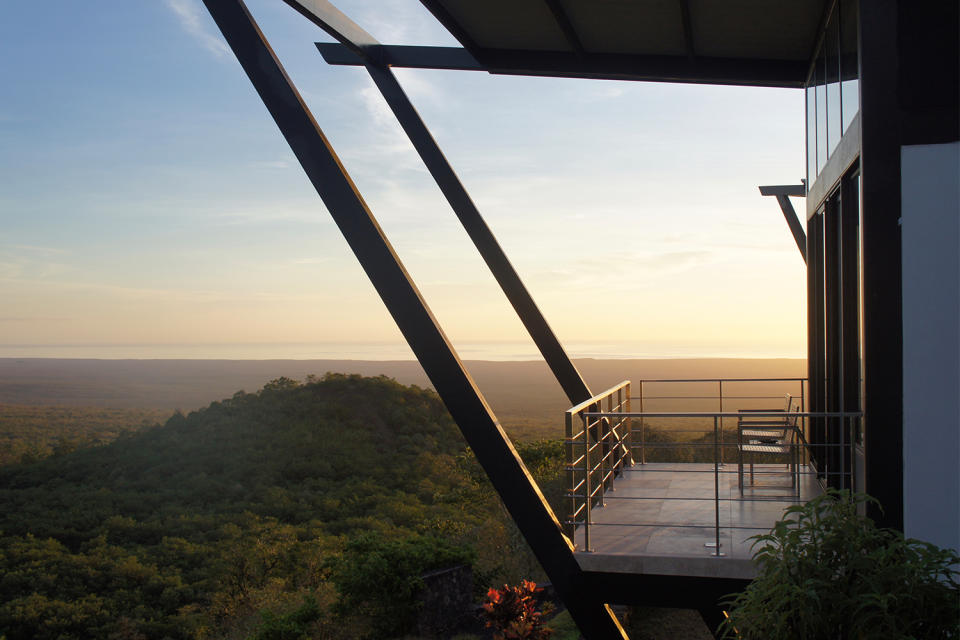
(515, 614)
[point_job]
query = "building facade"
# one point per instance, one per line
(881, 85)
(882, 245)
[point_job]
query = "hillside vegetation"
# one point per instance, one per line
(30, 433)
(524, 395)
(219, 522)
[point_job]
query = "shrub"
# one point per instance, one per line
(380, 580)
(291, 626)
(513, 613)
(826, 572)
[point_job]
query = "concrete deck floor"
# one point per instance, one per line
(660, 515)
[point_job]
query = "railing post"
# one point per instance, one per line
(570, 450)
(618, 443)
(848, 451)
(721, 422)
(716, 488)
(628, 425)
(804, 422)
(606, 426)
(601, 445)
(643, 425)
(586, 483)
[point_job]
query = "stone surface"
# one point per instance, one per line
(660, 516)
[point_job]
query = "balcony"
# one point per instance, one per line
(680, 486)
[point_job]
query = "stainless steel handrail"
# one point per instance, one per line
(720, 397)
(593, 418)
(610, 433)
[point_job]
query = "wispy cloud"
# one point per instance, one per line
(324, 260)
(304, 214)
(30, 319)
(38, 249)
(627, 269)
(272, 164)
(189, 14)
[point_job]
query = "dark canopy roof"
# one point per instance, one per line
(749, 42)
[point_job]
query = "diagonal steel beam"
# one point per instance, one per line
(483, 433)
(338, 25)
(326, 16)
(563, 21)
(456, 194)
(687, 29)
(782, 194)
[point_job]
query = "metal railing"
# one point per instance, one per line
(663, 392)
(598, 445)
(597, 448)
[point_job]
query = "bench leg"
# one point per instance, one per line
(740, 462)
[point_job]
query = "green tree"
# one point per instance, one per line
(381, 580)
(295, 625)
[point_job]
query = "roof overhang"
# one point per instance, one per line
(739, 42)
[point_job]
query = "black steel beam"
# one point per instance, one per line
(687, 28)
(702, 70)
(450, 24)
(684, 592)
(337, 24)
(653, 68)
(783, 193)
(483, 433)
(795, 190)
(790, 215)
(453, 190)
(881, 119)
(563, 21)
(553, 352)
(674, 592)
(407, 56)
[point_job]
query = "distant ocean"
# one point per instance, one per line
(503, 351)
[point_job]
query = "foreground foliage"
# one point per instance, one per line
(827, 572)
(514, 613)
(234, 521)
(379, 580)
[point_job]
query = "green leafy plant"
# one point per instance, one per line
(514, 613)
(827, 572)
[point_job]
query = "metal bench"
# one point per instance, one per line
(771, 435)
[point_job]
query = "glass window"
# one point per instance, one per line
(849, 67)
(831, 45)
(821, 89)
(811, 135)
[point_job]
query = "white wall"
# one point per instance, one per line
(930, 210)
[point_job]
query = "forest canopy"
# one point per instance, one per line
(242, 512)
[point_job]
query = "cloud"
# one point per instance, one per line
(38, 249)
(272, 164)
(30, 319)
(189, 15)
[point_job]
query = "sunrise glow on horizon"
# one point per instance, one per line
(151, 208)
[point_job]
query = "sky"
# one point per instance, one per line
(149, 207)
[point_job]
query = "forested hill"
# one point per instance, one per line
(311, 445)
(194, 528)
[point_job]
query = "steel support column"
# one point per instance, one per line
(553, 352)
(351, 35)
(480, 428)
(783, 193)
